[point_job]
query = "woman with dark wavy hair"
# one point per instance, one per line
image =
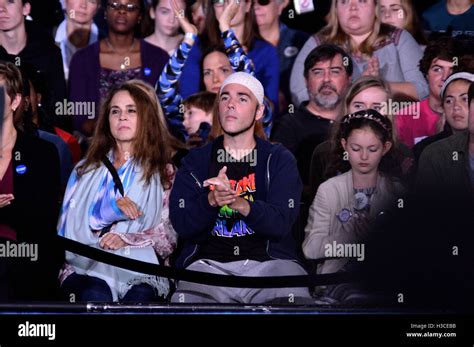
(117, 199)
(263, 55)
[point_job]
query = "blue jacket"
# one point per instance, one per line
(272, 214)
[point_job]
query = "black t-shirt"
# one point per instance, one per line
(301, 133)
(231, 239)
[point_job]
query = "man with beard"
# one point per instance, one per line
(233, 203)
(327, 70)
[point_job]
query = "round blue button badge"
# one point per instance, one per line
(21, 169)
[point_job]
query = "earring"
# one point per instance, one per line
(39, 104)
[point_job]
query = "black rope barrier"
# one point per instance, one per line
(203, 277)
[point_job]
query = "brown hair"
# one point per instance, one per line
(153, 144)
(13, 86)
(333, 33)
(212, 33)
(201, 100)
(361, 84)
(216, 129)
(412, 22)
(12, 77)
(373, 120)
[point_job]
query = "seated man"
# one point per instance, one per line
(241, 225)
(413, 124)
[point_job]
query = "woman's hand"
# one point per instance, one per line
(5, 199)
(112, 241)
(372, 68)
(362, 224)
(184, 23)
(228, 14)
(129, 208)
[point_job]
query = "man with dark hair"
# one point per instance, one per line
(423, 119)
(23, 42)
(446, 167)
(328, 71)
(241, 225)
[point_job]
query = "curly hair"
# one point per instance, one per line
(442, 48)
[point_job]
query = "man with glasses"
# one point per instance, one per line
(286, 40)
(22, 42)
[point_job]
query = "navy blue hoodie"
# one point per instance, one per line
(272, 214)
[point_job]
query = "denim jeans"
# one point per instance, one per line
(88, 288)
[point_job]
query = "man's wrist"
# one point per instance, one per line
(243, 206)
(212, 199)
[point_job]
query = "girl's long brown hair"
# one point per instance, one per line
(212, 33)
(153, 145)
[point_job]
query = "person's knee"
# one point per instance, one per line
(85, 288)
(96, 291)
(141, 293)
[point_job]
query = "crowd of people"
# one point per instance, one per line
(214, 136)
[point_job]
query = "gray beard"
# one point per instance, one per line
(328, 103)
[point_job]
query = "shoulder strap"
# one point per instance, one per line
(115, 176)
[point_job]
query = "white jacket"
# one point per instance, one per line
(325, 227)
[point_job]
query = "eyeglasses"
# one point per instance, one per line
(127, 7)
(221, 2)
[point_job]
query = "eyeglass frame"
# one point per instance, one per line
(116, 6)
(221, 2)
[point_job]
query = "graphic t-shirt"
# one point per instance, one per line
(231, 239)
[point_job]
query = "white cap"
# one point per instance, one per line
(456, 76)
(246, 80)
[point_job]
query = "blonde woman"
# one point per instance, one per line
(376, 49)
(402, 14)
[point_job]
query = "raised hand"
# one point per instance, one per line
(230, 10)
(222, 194)
(221, 181)
(184, 23)
(372, 67)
